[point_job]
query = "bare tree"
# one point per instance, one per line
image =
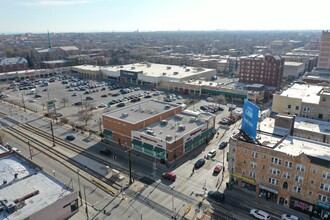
(64, 100)
(85, 116)
(2, 137)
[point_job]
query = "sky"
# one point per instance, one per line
(38, 16)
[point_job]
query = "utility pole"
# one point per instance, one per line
(129, 165)
(81, 202)
(86, 208)
(30, 149)
(23, 102)
(51, 128)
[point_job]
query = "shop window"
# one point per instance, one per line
(285, 185)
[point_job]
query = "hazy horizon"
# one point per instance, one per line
(81, 16)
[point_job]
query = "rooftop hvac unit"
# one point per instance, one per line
(167, 106)
(148, 65)
(168, 137)
(179, 117)
(151, 111)
(132, 67)
(181, 127)
(148, 128)
(187, 70)
(142, 110)
(125, 114)
(150, 132)
(192, 119)
(175, 73)
(200, 82)
(164, 74)
(163, 122)
(168, 68)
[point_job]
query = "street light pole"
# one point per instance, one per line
(129, 164)
(81, 202)
(23, 102)
(86, 208)
(51, 128)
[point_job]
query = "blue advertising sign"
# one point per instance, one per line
(250, 119)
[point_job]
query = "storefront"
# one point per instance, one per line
(268, 193)
(305, 207)
(244, 182)
(324, 209)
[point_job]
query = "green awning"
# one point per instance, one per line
(137, 142)
(107, 132)
(228, 94)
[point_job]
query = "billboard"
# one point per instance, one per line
(250, 119)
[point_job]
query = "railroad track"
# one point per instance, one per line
(53, 153)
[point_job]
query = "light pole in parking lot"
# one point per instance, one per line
(51, 128)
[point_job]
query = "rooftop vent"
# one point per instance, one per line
(167, 106)
(142, 110)
(132, 67)
(168, 67)
(163, 122)
(151, 111)
(187, 70)
(124, 115)
(181, 127)
(192, 119)
(164, 74)
(148, 128)
(200, 82)
(175, 73)
(168, 137)
(179, 117)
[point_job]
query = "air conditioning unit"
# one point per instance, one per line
(167, 106)
(175, 73)
(181, 127)
(151, 111)
(192, 119)
(125, 114)
(179, 117)
(163, 122)
(150, 132)
(164, 74)
(168, 137)
(168, 68)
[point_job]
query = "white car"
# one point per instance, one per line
(259, 214)
(289, 217)
(211, 154)
(32, 100)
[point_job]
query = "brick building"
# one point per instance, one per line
(267, 70)
(282, 167)
(13, 64)
(158, 129)
(324, 57)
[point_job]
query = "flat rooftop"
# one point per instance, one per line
(87, 67)
(142, 110)
(290, 63)
(190, 120)
(160, 70)
(30, 179)
(308, 93)
(293, 145)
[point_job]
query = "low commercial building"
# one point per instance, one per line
(293, 70)
(13, 64)
(282, 168)
(27, 192)
(304, 100)
(158, 129)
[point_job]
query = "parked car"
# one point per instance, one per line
(223, 145)
(199, 163)
(70, 137)
(216, 195)
(147, 96)
(89, 98)
(121, 104)
(211, 154)
(74, 94)
(169, 175)
(104, 96)
(289, 217)
(102, 105)
(37, 96)
(77, 103)
(217, 168)
(259, 214)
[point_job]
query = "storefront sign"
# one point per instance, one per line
(268, 189)
(323, 205)
(129, 74)
(244, 178)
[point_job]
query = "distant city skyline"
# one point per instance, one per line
(38, 16)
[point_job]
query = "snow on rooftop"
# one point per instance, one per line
(308, 93)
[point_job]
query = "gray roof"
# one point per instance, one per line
(141, 111)
(12, 60)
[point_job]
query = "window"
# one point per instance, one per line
(286, 175)
(310, 193)
(276, 160)
(297, 108)
(325, 187)
(299, 179)
(73, 205)
(296, 189)
(253, 165)
(306, 109)
(288, 164)
(263, 167)
(253, 175)
(300, 168)
(245, 151)
(326, 175)
(255, 154)
(314, 171)
(312, 182)
(273, 181)
(274, 171)
(324, 99)
(289, 106)
(285, 185)
(323, 198)
(265, 156)
(320, 116)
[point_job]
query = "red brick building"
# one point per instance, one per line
(267, 70)
(13, 64)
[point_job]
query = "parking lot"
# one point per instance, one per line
(71, 95)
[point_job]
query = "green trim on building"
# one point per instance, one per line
(227, 94)
(107, 132)
(137, 142)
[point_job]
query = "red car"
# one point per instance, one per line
(169, 175)
(217, 168)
